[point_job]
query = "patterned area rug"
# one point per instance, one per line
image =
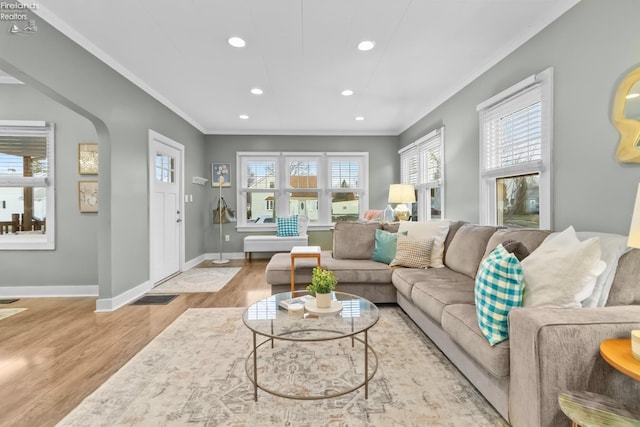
(197, 280)
(7, 312)
(193, 373)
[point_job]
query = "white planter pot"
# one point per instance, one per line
(323, 300)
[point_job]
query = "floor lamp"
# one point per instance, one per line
(221, 220)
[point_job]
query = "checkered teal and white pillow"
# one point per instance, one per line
(288, 226)
(499, 288)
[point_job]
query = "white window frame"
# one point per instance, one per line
(44, 241)
(283, 190)
(416, 151)
(543, 167)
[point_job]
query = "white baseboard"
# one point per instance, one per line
(225, 255)
(188, 265)
(48, 291)
(111, 304)
(102, 304)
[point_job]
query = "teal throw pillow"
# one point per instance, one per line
(499, 288)
(384, 249)
(287, 226)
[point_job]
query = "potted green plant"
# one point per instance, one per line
(322, 283)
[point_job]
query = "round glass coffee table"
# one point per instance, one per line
(299, 330)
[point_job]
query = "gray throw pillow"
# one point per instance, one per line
(516, 248)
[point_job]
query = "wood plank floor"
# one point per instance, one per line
(58, 351)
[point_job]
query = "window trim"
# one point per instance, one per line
(47, 240)
(544, 166)
(282, 190)
(423, 200)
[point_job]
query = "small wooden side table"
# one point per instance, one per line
(590, 409)
(617, 353)
(302, 252)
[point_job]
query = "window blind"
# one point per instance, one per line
(421, 163)
(512, 131)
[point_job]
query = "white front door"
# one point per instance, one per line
(165, 206)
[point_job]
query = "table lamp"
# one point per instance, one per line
(401, 194)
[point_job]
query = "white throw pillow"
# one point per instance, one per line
(562, 271)
(613, 246)
(425, 230)
(303, 223)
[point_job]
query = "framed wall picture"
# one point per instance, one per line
(221, 174)
(88, 196)
(88, 158)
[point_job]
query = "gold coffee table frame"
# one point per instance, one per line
(266, 319)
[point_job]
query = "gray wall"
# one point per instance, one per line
(383, 170)
(77, 234)
(122, 114)
(591, 47)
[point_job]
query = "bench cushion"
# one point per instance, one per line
(273, 243)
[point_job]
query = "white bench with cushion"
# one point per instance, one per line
(262, 243)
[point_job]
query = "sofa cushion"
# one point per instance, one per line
(440, 287)
(530, 238)
(461, 323)
(625, 289)
(278, 269)
(354, 240)
(404, 278)
(499, 286)
(424, 230)
(412, 253)
(454, 226)
(467, 248)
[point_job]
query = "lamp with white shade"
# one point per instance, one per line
(401, 194)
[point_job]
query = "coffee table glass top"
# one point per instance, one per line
(267, 318)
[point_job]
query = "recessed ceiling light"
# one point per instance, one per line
(366, 45)
(257, 91)
(236, 42)
(347, 92)
(243, 116)
(359, 118)
(633, 95)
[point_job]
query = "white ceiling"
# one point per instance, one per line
(302, 53)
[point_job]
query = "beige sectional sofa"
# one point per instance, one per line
(549, 350)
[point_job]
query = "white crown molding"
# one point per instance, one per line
(65, 29)
(534, 28)
(9, 80)
(302, 133)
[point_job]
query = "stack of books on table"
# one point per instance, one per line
(296, 303)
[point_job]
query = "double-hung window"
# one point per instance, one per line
(515, 154)
(324, 187)
(27, 197)
(421, 164)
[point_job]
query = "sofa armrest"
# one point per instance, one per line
(555, 350)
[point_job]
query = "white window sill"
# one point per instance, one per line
(36, 241)
(273, 228)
